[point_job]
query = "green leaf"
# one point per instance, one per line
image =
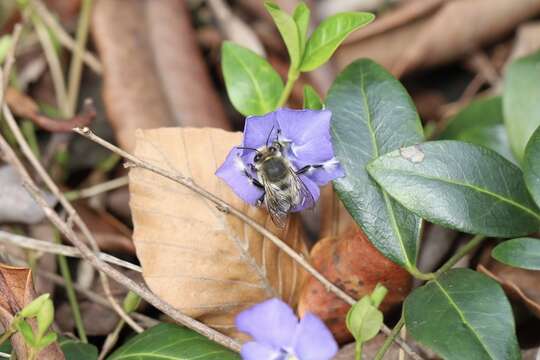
(76, 350)
(33, 308)
(531, 166)
(462, 315)
(481, 123)
(312, 100)
(372, 114)
(26, 331)
(45, 317)
(328, 36)
(364, 320)
(289, 32)
(522, 252)
(46, 340)
(301, 18)
(520, 101)
(253, 86)
(168, 341)
(459, 185)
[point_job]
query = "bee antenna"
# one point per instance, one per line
(269, 134)
(247, 148)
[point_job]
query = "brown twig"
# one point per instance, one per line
(52, 248)
(223, 206)
(24, 106)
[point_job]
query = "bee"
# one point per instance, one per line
(283, 189)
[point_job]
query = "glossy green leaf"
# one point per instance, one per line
(169, 341)
(531, 166)
(289, 32)
(520, 101)
(459, 185)
(481, 123)
(328, 36)
(253, 86)
(301, 16)
(372, 114)
(76, 350)
(312, 100)
(462, 315)
(522, 252)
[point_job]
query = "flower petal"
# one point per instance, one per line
(330, 170)
(313, 340)
(233, 172)
(257, 130)
(271, 322)
(302, 126)
(257, 351)
(315, 151)
(309, 200)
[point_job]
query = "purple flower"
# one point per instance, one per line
(301, 138)
(277, 334)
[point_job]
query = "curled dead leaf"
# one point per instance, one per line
(17, 291)
(154, 74)
(457, 28)
(208, 264)
(356, 266)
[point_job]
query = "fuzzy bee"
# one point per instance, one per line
(283, 189)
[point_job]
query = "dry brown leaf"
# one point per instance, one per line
(356, 266)
(110, 234)
(369, 349)
(206, 263)
(520, 284)
(458, 28)
(154, 74)
(17, 291)
(335, 219)
(527, 40)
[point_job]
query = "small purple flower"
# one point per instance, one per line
(278, 335)
(302, 139)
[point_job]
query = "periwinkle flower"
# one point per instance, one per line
(284, 157)
(278, 335)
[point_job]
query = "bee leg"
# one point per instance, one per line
(307, 168)
(254, 181)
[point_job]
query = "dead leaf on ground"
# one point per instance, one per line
(208, 264)
(97, 319)
(356, 266)
(17, 291)
(335, 219)
(527, 40)
(154, 74)
(519, 284)
(17, 204)
(111, 235)
(369, 349)
(457, 28)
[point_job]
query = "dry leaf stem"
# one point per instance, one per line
(58, 249)
(226, 208)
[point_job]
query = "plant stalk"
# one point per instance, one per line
(70, 291)
(390, 338)
(462, 251)
(292, 76)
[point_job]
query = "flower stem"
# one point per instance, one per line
(70, 291)
(292, 76)
(462, 251)
(358, 351)
(390, 338)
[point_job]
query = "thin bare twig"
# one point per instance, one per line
(223, 206)
(98, 188)
(65, 39)
(52, 248)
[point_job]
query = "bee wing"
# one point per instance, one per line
(305, 198)
(276, 202)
